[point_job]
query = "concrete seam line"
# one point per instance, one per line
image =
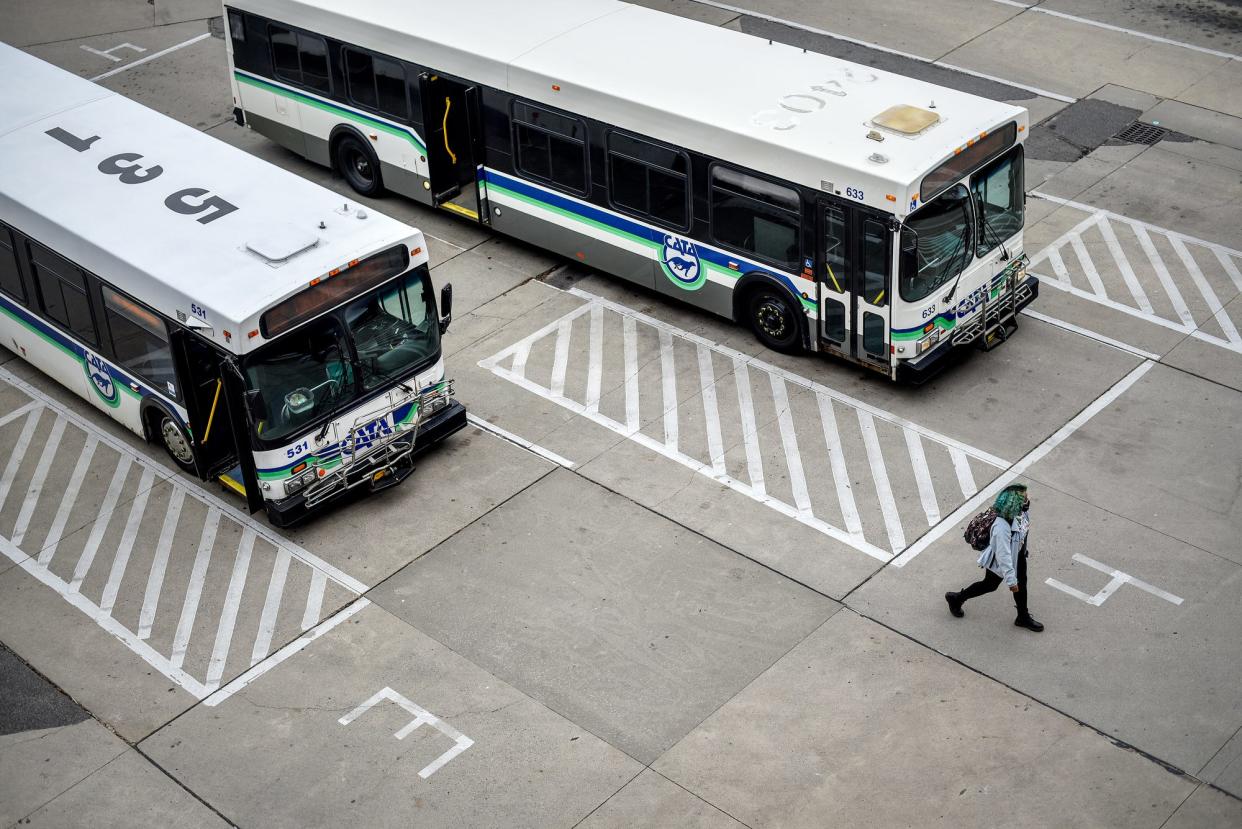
(151, 57)
(517, 440)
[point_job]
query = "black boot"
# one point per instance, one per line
(1028, 622)
(955, 604)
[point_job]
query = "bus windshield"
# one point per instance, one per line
(999, 198)
(311, 373)
(936, 243)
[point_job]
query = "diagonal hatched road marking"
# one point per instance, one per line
(1152, 273)
(854, 472)
(195, 587)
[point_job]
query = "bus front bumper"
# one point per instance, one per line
(450, 419)
(933, 362)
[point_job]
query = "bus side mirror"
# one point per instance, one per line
(446, 307)
(256, 406)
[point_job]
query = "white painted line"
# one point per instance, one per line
(211, 501)
(284, 653)
(1087, 208)
(198, 575)
(922, 477)
(1058, 265)
(151, 57)
(519, 359)
(595, 372)
(840, 473)
(46, 459)
(1123, 264)
(1227, 263)
(126, 546)
(142, 649)
(1162, 273)
(155, 579)
(1116, 579)
(1091, 335)
(750, 431)
(271, 607)
(630, 336)
(20, 411)
(668, 382)
(102, 520)
(1121, 29)
(421, 717)
(965, 479)
(314, 599)
(883, 490)
(1209, 295)
(1088, 267)
(1034, 456)
(1116, 306)
(67, 503)
(107, 53)
(789, 442)
(755, 363)
(560, 363)
(228, 616)
(505, 434)
(19, 453)
(793, 25)
(711, 414)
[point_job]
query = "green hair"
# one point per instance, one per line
(1010, 501)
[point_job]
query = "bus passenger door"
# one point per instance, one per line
(453, 122)
(872, 299)
(834, 276)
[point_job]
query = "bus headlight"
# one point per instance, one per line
(434, 404)
(929, 341)
(295, 485)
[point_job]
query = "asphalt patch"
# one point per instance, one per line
(1078, 129)
(29, 702)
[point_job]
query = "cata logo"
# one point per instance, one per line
(98, 371)
(680, 260)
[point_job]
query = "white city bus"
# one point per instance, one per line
(262, 329)
(827, 205)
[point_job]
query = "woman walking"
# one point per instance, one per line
(1004, 559)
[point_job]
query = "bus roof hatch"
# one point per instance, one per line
(906, 119)
(280, 243)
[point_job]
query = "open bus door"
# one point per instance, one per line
(853, 264)
(214, 396)
(454, 127)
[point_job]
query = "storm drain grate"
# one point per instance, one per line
(1140, 133)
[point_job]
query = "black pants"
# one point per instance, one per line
(991, 581)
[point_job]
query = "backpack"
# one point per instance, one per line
(979, 531)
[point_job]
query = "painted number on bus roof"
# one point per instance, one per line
(189, 201)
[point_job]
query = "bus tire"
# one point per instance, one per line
(773, 318)
(165, 429)
(357, 163)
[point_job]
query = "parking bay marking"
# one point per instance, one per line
(234, 569)
(421, 717)
(1116, 580)
(1184, 275)
(797, 440)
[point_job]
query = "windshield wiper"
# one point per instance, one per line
(983, 214)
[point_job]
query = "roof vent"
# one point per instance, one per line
(906, 120)
(280, 243)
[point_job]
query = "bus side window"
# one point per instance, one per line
(62, 293)
(875, 263)
(648, 179)
(10, 276)
(300, 59)
(376, 83)
(757, 216)
(550, 146)
(140, 341)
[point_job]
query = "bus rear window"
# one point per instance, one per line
(971, 158)
(331, 292)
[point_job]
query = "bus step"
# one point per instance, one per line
(232, 480)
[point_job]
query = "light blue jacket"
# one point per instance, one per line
(1001, 556)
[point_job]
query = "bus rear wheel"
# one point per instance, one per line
(773, 319)
(359, 166)
(175, 441)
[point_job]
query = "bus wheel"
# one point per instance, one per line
(773, 319)
(359, 165)
(175, 441)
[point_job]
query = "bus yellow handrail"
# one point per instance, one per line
(212, 416)
(448, 103)
(834, 279)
